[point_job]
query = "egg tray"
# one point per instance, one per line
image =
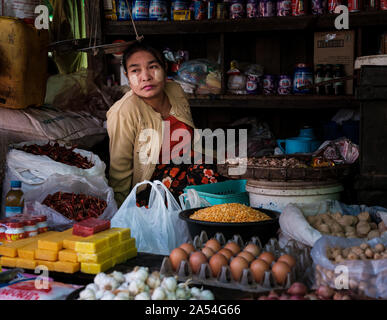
(247, 283)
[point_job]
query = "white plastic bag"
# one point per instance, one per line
(157, 229)
(191, 199)
(90, 186)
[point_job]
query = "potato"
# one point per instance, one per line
(357, 250)
(379, 248)
(353, 256)
(349, 229)
(373, 234)
(364, 216)
(355, 220)
(337, 216)
(377, 256)
(364, 246)
(382, 227)
(363, 257)
(335, 227)
(323, 228)
(346, 220)
(345, 252)
(339, 259)
(351, 235)
(353, 284)
(363, 228)
(373, 226)
(311, 219)
(369, 253)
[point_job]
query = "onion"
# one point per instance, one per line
(311, 296)
(338, 296)
(346, 297)
(273, 294)
(272, 298)
(297, 289)
(284, 296)
(297, 298)
(263, 298)
(325, 292)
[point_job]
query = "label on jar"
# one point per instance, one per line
(31, 231)
(140, 10)
(284, 86)
(157, 9)
(252, 10)
(236, 10)
(14, 234)
(284, 8)
(12, 211)
(301, 79)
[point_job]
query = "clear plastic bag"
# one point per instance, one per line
(158, 228)
(365, 277)
(90, 186)
(191, 199)
(196, 71)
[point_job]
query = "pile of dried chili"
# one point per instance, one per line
(59, 153)
(75, 206)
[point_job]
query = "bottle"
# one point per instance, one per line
(110, 10)
(123, 10)
(339, 87)
(14, 202)
(303, 79)
(328, 76)
(319, 77)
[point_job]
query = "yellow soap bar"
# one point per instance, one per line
(116, 250)
(67, 255)
(95, 257)
(126, 256)
(53, 242)
(128, 244)
(112, 234)
(26, 264)
(69, 242)
(95, 268)
(28, 251)
(67, 267)
(92, 245)
(124, 233)
(8, 262)
(49, 255)
(9, 249)
(49, 264)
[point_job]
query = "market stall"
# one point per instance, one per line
(301, 222)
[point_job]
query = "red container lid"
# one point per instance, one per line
(14, 224)
(40, 218)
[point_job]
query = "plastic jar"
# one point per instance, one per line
(15, 231)
(30, 227)
(303, 77)
(42, 223)
(2, 231)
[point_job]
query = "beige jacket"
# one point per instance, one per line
(125, 121)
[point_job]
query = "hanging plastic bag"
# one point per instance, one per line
(90, 186)
(191, 199)
(158, 228)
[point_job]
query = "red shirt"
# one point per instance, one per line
(175, 125)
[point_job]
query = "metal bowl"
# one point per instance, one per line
(264, 230)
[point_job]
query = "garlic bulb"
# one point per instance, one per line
(141, 274)
(207, 295)
(87, 294)
(108, 296)
(118, 276)
(182, 294)
(159, 294)
(153, 280)
(169, 284)
(142, 296)
(92, 286)
(171, 295)
(123, 287)
(136, 287)
(99, 294)
(122, 296)
(129, 277)
(195, 292)
(101, 279)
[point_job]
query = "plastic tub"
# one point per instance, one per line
(232, 191)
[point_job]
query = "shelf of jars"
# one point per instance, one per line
(285, 23)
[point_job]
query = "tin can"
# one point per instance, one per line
(372, 5)
(269, 84)
(284, 86)
(15, 230)
(353, 5)
(140, 10)
(30, 227)
(267, 8)
(222, 10)
(158, 10)
(211, 9)
(298, 8)
(252, 9)
(200, 10)
(284, 8)
(237, 9)
(252, 84)
(332, 4)
(383, 4)
(319, 7)
(303, 76)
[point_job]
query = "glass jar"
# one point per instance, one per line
(15, 230)
(42, 223)
(30, 227)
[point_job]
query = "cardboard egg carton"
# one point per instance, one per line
(247, 282)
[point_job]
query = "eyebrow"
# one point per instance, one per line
(137, 65)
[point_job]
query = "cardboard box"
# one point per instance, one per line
(337, 47)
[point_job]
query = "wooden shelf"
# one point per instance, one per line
(359, 19)
(273, 102)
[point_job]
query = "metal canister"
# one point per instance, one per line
(200, 10)
(269, 84)
(353, 5)
(252, 9)
(252, 84)
(284, 8)
(319, 7)
(211, 9)
(237, 9)
(373, 5)
(284, 84)
(298, 8)
(303, 77)
(332, 4)
(267, 8)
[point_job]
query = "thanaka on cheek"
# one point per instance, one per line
(133, 80)
(158, 75)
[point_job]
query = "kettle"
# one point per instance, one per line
(306, 142)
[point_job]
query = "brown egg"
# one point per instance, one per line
(267, 256)
(237, 265)
(216, 262)
(196, 259)
(176, 256)
(208, 252)
(287, 259)
(226, 252)
(258, 268)
(213, 244)
(247, 255)
(233, 247)
(187, 247)
(253, 249)
(280, 271)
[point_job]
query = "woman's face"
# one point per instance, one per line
(146, 76)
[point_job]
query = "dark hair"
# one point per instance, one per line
(142, 46)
